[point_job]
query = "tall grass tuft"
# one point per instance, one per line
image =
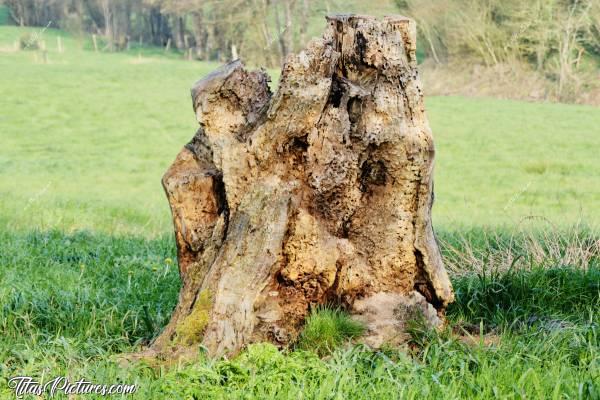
(326, 329)
(524, 278)
(483, 250)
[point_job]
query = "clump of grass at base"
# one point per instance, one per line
(326, 329)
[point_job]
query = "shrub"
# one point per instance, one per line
(29, 41)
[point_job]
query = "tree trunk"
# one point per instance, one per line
(261, 14)
(304, 14)
(200, 35)
(318, 194)
(281, 32)
(179, 32)
(288, 30)
(108, 23)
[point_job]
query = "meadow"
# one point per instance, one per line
(87, 259)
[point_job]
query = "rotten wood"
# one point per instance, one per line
(319, 193)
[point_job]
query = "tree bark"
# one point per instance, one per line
(108, 22)
(281, 32)
(304, 14)
(200, 35)
(320, 193)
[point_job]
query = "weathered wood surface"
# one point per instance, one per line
(319, 193)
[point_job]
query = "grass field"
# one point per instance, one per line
(86, 269)
(70, 303)
(86, 138)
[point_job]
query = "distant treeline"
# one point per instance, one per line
(263, 31)
(560, 38)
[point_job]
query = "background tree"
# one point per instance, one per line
(560, 39)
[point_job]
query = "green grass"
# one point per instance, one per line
(326, 329)
(551, 294)
(86, 137)
(71, 302)
(86, 250)
(501, 161)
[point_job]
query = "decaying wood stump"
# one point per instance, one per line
(319, 193)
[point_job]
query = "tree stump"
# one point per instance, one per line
(318, 194)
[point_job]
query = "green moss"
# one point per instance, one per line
(190, 330)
